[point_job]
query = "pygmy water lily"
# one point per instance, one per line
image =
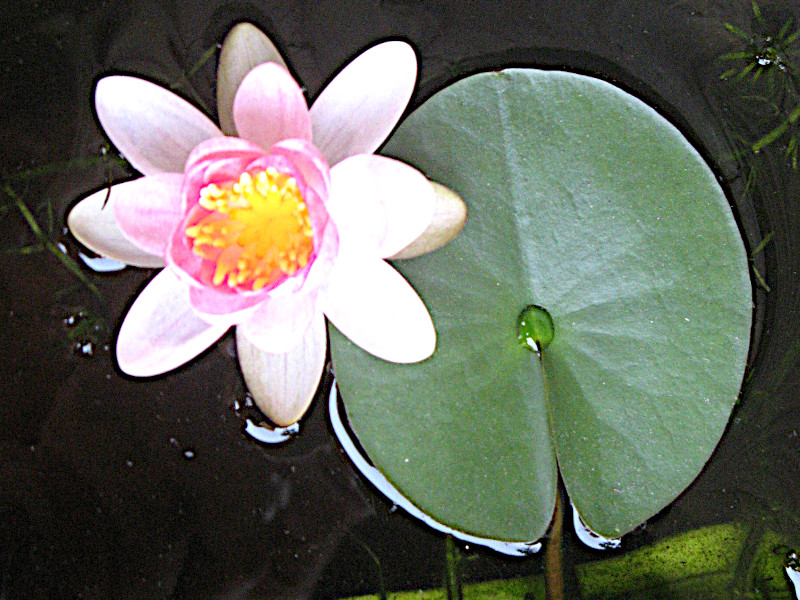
(256, 229)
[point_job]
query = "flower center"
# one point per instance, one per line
(257, 232)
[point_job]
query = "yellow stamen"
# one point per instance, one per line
(258, 230)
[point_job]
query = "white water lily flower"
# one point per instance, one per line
(258, 231)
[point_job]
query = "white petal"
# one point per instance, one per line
(161, 331)
(449, 218)
(153, 128)
(357, 111)
(283, 385)
(245, 47)
(380, 201)
(96, 228)
(371, 303)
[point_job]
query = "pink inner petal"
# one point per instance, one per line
(221, 148)
(244, 47)
(148, 209)
(371, 303)
(161, 331)
(217, 307)
(217, 160)
(269, 106)
(309, 160)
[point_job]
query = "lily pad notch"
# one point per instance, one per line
(587, 202)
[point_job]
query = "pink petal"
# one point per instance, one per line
(371, 303)
(305, 156)
(148, 209)
(283, 385)
(280, 323)
(161, 331)
(327, 251)
(188, 266)
(217, 160)
(244, 47)
(96, 228)
(219, 308)
(269, 107)
(220, 148)
(356, 112)
(379, 203)
(154, 128)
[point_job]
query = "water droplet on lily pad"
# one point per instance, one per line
(535, 328)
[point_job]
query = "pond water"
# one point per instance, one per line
(112, 487)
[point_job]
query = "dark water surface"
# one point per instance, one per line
(112, 487)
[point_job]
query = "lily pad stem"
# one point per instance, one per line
(553, 570)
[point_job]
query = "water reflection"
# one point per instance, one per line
(108, 499)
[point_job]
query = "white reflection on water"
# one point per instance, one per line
(793, 571)
(102, 264)
(270, 435)
(591, 538)
(387, 489)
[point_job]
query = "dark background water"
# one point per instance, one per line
(118, 488)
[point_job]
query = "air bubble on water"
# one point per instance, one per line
(84, 348)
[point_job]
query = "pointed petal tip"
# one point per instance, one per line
(283, 385)
(153, 127)
(94, 226)
(244, 48)
(161, 331)
(449, 218)
(269, 106)
(373, 305)
(411, 351)
(358, 109)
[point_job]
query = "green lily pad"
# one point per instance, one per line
(585, 202)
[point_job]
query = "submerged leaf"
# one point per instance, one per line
(585, 202)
